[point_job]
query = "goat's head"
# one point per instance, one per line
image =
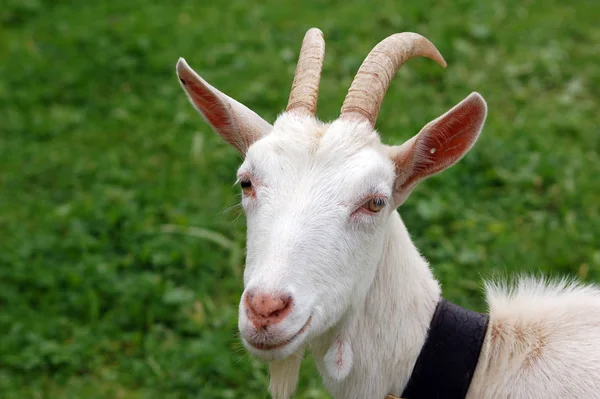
(318, 196)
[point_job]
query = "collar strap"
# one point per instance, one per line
(449, 356)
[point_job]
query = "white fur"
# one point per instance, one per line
(371, 294)
(284, 375)
(339, 357)
(362, 294)
(542, 342)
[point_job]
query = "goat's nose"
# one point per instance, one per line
(267, 309)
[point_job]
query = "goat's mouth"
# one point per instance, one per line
(277, 345)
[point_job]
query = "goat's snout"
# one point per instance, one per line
(265, 309)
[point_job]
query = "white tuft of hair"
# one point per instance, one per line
(535, 293)
(284, 376)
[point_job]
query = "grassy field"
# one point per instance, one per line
(121, 248)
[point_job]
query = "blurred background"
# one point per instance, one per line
(121, 238)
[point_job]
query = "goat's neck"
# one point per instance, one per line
(387, 332)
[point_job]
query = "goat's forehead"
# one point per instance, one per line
(306, 137)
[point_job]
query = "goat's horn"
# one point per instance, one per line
(373, 78)
(305, 89)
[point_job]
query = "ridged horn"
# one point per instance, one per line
(305, 89)
(373, 78)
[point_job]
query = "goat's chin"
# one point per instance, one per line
(280, 349)
(279, 353)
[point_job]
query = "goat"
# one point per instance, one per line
(330, 264)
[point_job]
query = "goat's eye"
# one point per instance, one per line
(374, 204)
(246, 186)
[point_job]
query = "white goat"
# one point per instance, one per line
(331, 265)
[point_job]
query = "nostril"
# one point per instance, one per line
(266, 309)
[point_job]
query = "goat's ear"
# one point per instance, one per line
(439, 145)
(236, 123)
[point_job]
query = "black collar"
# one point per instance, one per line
(449, 356)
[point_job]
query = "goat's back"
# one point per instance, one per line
(543, 341)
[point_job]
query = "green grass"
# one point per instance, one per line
(99, 150)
